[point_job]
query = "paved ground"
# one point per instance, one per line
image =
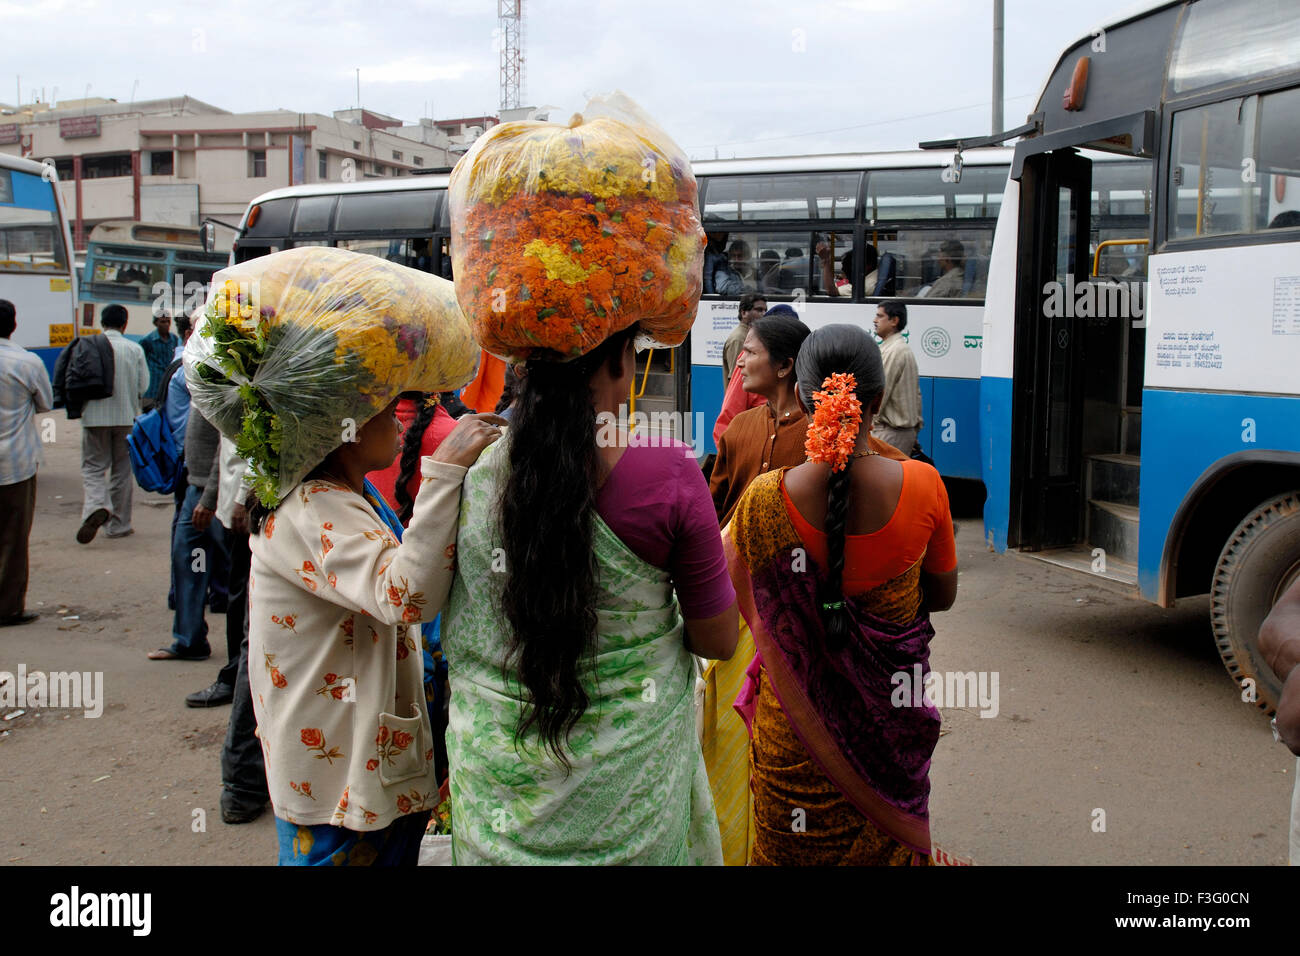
(1105, 703)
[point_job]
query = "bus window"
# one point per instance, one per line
(413, 210)
(775, 263)
(757, 198)
(939, 264)
(29, 240)
(313, 214)
(1232, 164)
(413, 253)
(1279, 158)
(1205, 171)
(196, 270)
(1230, 40)
(115, 276)
(902, 194)
(837, 248)
(1121, 209)
(272, 218)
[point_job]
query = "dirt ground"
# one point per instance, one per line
(1105, 704)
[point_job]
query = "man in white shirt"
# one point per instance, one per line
(105, 424)
(900, 410)
(24, 390)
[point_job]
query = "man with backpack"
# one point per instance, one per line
(106, 423)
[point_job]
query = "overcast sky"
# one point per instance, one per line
(763, 77)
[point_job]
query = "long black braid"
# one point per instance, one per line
(831, 593)
(832, 349)
(427, 407)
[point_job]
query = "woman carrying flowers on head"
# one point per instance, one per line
(305, 363)
(589, 565)
(838, 563)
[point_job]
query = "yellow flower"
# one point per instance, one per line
(557, 264)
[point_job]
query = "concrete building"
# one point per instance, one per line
(182, 160)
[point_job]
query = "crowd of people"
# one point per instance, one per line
(580, 651)
(521, 626)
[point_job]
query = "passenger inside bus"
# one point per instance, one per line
(720, 278)
(769, 271)
(952, 268)
(739, 255)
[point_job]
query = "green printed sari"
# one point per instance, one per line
(638, 791)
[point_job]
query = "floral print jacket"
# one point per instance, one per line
(334, 660)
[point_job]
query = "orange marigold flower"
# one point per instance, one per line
(833, 433)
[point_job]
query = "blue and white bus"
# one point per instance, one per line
(1140, 377)
(36, 267)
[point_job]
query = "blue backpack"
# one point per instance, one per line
(155, 455)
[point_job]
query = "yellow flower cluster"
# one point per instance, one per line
(557, 264)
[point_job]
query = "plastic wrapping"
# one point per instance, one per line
(566, 234)
(295, 351)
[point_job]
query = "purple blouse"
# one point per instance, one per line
(657, 501)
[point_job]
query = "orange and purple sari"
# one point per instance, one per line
(839, 774)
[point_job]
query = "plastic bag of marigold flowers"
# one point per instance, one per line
(565, 233)
(295, 351)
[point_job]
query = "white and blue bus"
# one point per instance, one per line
(1140, 376)
(886, 220)
(36, 266)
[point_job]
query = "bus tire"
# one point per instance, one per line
(1260, 560)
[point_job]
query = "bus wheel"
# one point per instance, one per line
(1259, 562)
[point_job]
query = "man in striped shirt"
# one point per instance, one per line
(24, 390)
(105, 424)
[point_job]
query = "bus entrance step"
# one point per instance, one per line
(1113, 528)
(1079, 558)
(1114, 478)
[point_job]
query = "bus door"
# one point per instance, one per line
(1048, 395)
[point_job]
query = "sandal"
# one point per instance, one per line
(167, 654)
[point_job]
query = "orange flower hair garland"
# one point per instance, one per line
(833, 433)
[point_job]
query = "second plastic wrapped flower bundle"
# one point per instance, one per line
(297, 350)
(565, 235)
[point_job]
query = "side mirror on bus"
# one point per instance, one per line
(208, 236)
